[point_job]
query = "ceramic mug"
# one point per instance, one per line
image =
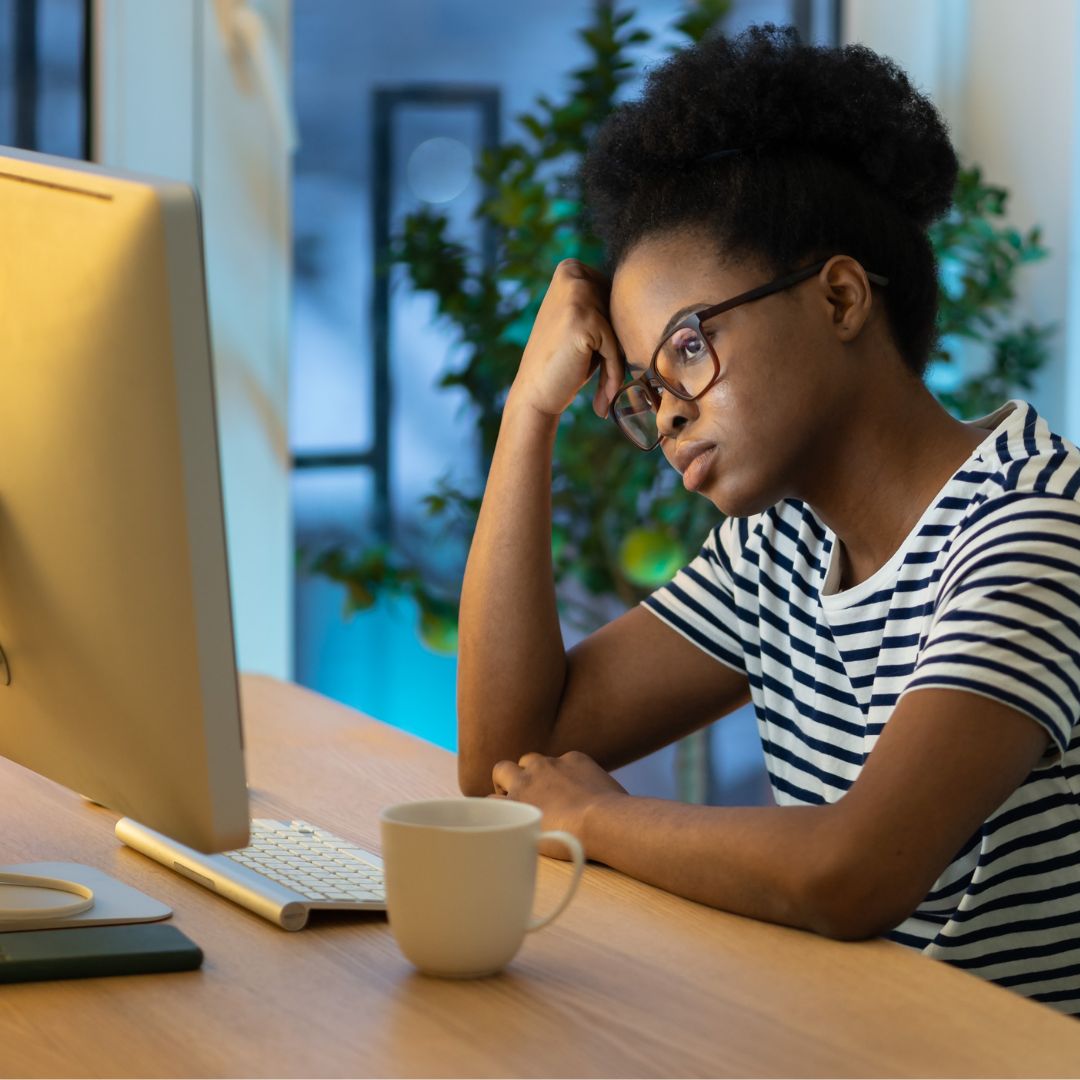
(460, 881)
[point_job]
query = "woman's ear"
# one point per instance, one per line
(847, 292)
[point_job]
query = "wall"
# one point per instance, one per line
(172, 100)
(1004, 75)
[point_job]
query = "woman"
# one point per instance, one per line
(896, 591)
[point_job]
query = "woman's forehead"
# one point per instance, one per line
(655, 279)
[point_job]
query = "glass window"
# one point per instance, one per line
(44, 97)
(394, 105)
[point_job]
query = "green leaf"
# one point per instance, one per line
(651, 556)
(437, 626)
(702, 18)
(622, 522)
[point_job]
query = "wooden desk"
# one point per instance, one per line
(630, 981)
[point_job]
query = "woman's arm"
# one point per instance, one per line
(511, 660)
(636, 684)
(851, 869)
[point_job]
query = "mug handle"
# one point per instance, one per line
(577, 853)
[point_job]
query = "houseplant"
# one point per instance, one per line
(621, 526)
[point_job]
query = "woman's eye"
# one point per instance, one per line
(687, 346)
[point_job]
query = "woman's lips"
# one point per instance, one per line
(694, 473)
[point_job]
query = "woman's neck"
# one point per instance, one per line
(882, 470)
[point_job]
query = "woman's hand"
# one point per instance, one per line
(565, 788)
(570, 338)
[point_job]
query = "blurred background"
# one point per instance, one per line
(379, 216)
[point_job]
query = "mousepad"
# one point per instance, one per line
(114, 902)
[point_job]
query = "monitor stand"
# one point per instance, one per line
(113, 902)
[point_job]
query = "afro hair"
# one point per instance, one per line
(783, 153)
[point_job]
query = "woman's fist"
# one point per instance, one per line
(570, 338)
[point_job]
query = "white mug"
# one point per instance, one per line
(460, 881)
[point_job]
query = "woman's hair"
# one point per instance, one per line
(836, 153)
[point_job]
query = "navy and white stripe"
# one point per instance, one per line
(982, 596)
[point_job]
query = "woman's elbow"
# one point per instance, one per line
(474, 776)
(850, 905)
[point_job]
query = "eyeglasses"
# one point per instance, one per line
(686, 365)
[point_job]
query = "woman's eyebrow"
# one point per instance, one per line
(678, 317)
(635, 370)
(674, 321)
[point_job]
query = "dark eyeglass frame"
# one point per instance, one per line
(650, 379)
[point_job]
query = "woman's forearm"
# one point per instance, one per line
(780, 864)
(511, 658)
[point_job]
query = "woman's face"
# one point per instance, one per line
(772, 418)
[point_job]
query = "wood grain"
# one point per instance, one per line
(630, 981)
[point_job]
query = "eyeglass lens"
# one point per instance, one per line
(635, 414)
(686, 365)
(685, 362)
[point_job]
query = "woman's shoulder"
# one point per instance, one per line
(1023, 477)
(1018, 499)
(1023, 457)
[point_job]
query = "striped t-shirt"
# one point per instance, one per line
(983, 596)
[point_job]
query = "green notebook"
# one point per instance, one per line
(90, 951)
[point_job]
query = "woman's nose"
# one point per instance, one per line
(673, 415)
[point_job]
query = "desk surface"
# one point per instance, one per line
(630, 981)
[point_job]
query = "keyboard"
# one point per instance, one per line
(289, 869)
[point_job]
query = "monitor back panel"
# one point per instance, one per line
(114, 599)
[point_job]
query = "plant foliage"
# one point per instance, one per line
(979, 255)
(621, 526)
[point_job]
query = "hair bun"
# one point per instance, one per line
(765, 92)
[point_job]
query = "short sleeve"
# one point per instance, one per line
(700, 601)
(1006, 622)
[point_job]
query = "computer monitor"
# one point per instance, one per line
(118, 677)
